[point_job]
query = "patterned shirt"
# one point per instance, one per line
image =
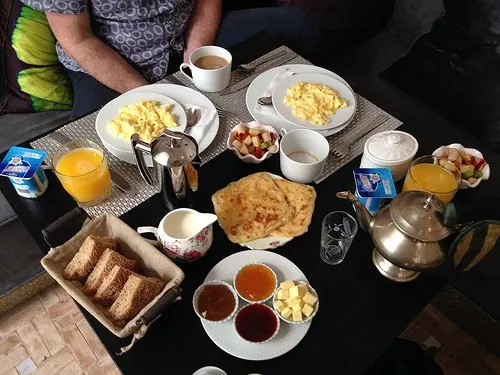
(143, 32)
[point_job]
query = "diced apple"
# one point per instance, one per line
(241, 130)
(272, 148)
(466, 157)
(464, 168)
(251, 148)
(244, 150)
(237, 144)
(266, 137)
(256, 141)
(247, 141)
(254, 131)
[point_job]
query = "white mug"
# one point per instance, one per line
(209, 80)
(303, 154)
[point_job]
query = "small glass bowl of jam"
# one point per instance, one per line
(256, 323)
(215, 301)
(255, 283)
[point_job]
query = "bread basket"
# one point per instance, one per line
(130, 244)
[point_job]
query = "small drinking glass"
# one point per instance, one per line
(82, 168)
(337, 233)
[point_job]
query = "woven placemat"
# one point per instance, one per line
(120, 203)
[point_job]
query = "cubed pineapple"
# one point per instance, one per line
(287, 284)
(256, 141)
(283, 294)
(297, 316)
(310, 299)
(254, 131)
(307, 310)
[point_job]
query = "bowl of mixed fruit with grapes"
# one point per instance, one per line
(253, 142)
(469, 161)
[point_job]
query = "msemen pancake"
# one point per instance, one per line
(301, 198)
(251, 208)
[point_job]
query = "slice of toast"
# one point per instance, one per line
(108, 260)
(137, 292)
(111, 286)
(87, 257)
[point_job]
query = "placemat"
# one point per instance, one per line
(119, 203)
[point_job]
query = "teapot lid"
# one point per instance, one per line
(419, 215)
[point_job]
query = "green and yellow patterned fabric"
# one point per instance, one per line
(33, 80)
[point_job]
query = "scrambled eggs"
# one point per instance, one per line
(147, 118)
(313, 102)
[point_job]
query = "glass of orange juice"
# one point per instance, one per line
(434, 175)
(82, 168)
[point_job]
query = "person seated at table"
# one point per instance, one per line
(112, 46)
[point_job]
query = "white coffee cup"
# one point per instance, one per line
(303, 154)
(209, 80)
(210, 370)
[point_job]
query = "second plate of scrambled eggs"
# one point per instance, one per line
(314, 101)
(143, 113)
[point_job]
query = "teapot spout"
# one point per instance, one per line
(364, 217)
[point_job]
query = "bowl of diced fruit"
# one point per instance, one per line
(253, 142)
(469, 161)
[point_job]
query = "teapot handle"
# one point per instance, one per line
(138, 146)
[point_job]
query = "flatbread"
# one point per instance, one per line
(251, 208)
(301, 198)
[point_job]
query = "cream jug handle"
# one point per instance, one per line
(153, 230)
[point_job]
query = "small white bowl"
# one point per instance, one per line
(472, 151)
(198, 291)
(258, 342)
(247, 300)
(250, 158)
(316, 305)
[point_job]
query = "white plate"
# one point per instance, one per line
(224, 335)
(268, 242)
(110, 110)
(340, 117)
(185, 95)
(260, 83)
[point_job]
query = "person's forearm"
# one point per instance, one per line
(104, 64)
(204, 24)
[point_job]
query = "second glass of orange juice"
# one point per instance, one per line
(82, 168)
(434, 175)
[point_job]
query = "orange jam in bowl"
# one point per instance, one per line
(255, 282)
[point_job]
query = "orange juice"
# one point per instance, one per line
(431, 178)
(84, 174)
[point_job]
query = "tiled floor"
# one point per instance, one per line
(48, 335)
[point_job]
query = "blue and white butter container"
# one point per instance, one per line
(23, 168)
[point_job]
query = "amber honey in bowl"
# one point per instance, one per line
(255, 282)
(256, 323)
(216, 301)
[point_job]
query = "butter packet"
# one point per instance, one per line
(23, 168)
(373, 187)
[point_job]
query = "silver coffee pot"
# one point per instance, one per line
(406, 233)
(171, 152)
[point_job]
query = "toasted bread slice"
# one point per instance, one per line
(137, 292)
(108, 260)
(111, 286)
(87, 257)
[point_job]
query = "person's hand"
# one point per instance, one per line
(187, 52)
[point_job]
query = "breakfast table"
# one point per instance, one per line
(361, 312)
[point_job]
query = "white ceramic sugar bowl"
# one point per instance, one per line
(390, 149)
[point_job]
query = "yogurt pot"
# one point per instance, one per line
(391, 149)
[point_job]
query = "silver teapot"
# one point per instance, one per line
(406, 233)
(171, 153)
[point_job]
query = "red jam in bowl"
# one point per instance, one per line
(256, 322)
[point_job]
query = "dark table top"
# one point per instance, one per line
(361, 311)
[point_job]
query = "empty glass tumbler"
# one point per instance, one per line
(337, 233)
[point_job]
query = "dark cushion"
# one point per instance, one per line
(413, 18)
(455, 68)
(32, 78)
